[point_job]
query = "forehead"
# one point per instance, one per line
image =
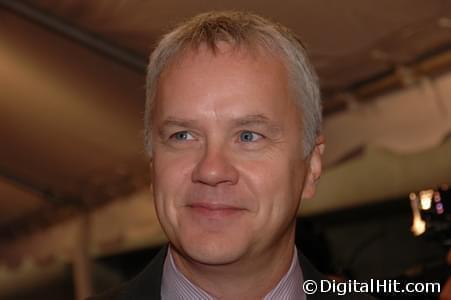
(248, 52)
(229, 80)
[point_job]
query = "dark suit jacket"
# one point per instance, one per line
(147, 285)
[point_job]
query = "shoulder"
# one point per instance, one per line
(146, 285)
(112, 294)
(311, 273)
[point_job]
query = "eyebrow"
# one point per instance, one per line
(253, 120)
(172, 121)
(259, 120)
(248, 120)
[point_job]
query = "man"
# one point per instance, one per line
(233, 129)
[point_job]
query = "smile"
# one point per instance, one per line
(212, 210)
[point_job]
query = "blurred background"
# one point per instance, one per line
(76, 215)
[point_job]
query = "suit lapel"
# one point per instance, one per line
(147, 285)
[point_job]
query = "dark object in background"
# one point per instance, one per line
(431, 213)
(431, 221)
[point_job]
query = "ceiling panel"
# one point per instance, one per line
(70, 123)
(17, 203)
(349, 41)
(71, 118)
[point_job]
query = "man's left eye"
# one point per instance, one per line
(249, 136)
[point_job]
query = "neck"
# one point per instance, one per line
(249, 278)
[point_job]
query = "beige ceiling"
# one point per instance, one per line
(71, 118)
(349, 41)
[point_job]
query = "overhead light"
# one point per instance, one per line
(418, 224)
(426, 199)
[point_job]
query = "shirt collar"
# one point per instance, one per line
(176, 286)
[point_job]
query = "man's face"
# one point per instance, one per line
(227, 165)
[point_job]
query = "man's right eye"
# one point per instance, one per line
(182, 136)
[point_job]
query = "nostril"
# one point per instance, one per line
(214, 170)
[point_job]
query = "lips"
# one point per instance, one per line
(214, 209)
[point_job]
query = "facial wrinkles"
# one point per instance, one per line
(217, 147)
(242, 53)
(210, 113)
(249, 170)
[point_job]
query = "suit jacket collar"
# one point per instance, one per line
(147, 285)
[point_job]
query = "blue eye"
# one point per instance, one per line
(182, 136)
(249, 136)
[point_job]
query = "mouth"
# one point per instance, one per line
(214, 210)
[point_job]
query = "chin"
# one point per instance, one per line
(213, 251)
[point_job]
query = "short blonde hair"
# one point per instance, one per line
(240, 29)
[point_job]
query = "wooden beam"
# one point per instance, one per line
(431, 65)
(82, 271)
(121, 225)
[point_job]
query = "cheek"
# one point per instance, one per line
(171, 175)
(275, 185)
(169, 168)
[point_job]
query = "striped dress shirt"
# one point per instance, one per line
(175, 286)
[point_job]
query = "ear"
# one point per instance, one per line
(314, 164)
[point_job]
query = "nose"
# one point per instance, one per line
(215, 168)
